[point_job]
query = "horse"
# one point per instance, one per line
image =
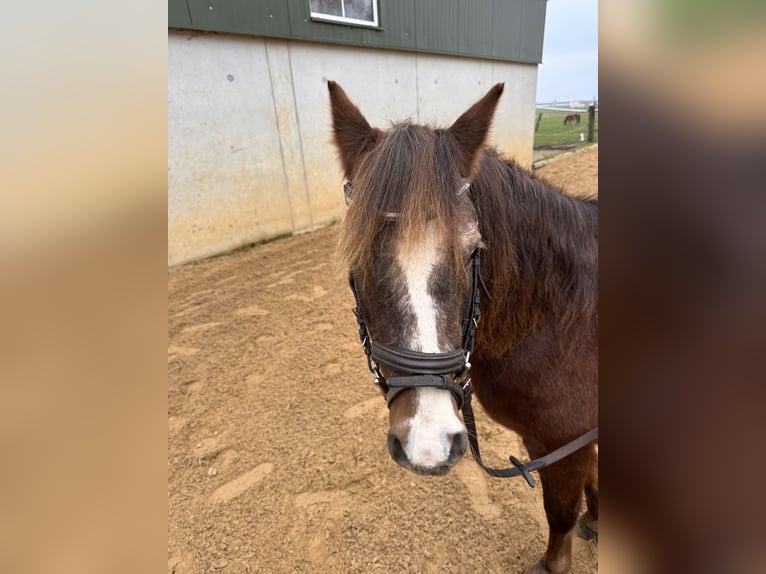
(435, 221)
(572, 118)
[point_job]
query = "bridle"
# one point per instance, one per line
(448, 370)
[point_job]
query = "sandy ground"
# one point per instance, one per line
(277, 458)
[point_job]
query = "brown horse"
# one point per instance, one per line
(572, 118)
(423, 203)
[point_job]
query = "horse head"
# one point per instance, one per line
(408, 237)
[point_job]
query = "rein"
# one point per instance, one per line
(448, 370)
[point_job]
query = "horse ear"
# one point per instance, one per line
(470, 130)
(352, 134)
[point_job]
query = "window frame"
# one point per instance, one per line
(331, 19)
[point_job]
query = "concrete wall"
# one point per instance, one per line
(249, 153)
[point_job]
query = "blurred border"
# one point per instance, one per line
(83, 289)
(83, 183)
(683, 281)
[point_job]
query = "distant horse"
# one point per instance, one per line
(572, 118)
(434, 219)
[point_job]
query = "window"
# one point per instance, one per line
(359, 12)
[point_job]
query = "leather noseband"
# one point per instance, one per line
(417, 362)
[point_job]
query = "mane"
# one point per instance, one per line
(541, 260)
(411, 172)
(540, 246)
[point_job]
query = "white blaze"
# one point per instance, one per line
(429, 440)
(418, 263)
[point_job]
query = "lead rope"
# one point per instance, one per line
(519, 468)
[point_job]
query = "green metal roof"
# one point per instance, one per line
(509, 30)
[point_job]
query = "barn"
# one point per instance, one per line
(249, 154)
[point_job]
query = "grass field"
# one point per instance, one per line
(552, 130)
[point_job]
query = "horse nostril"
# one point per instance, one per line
(459, 443)
(396, 449)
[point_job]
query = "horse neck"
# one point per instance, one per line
(541, 258)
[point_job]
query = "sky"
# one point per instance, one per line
(570, 52)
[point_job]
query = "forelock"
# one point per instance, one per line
(412, 172)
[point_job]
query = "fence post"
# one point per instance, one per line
(537, 123)
(591, 121)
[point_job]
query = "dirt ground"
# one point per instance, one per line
(277, 458)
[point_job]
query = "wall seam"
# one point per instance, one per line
(300, 138)
(279, 134)
(417, 89)
(417, 59)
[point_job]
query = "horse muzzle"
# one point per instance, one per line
(458, 442)
(426, 435)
